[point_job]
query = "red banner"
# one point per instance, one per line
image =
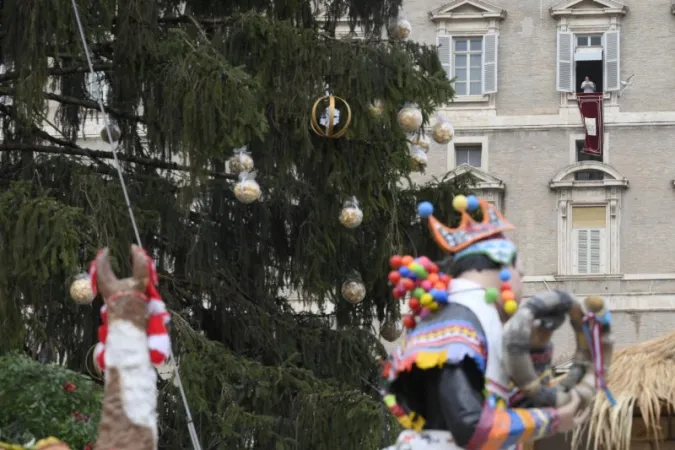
(591, 109)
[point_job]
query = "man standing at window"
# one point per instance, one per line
(588, 86)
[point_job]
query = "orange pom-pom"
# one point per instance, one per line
(508, 295)
(433, 278)
(406, 260)
(440, 286)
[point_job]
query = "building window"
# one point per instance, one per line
(587, 175)
(97, 87)
(471, 62)
(588, 239)
(468, 66)
(471, 155)
(588, 55)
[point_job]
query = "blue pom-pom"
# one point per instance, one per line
(505, 275)
(472, 203)
(404, 271)
(425, 209)
(441, 296)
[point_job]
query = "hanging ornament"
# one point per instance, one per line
(81, 291)
(420, 159)
(114, 130)
(410, 118)
(241, 161)
(326, 117)
(391, 330)
(400, 29)
(442, 132)
(247, 190)
(353, 289)
(376, 108)
(351, 215)
(422, 142)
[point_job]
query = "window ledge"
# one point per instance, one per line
(590, 277)
(588, 184)
(471, 99)
(573, 95)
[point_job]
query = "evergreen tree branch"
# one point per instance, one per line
(88, 104)
(58, 71)
(101, 154)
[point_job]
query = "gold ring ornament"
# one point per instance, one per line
(442, 132)
(114, 131)
(419, 157)
(410, 118)
(247, 190)
(422, 142)
(400, 29)
(353, 289)
(81, 291)
(532, 326)
(241, 161)
(351, 216)
(328, 123)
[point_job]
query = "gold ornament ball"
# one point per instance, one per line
(420, 160)
(402, 29)
(443, 132)
(81, 292)
(376, 108)
(351, 217)
(353, 291)
(241, 163)
(116, 134)
(410, 118)
(422, 142)
(391, 330)
(247, 191)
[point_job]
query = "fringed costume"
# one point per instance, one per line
(447, 382)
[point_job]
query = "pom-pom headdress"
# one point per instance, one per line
(472, 237)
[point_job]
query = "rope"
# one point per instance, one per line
(190, 423)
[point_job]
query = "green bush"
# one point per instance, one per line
(41, 400)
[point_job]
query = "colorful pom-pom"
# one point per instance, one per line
(407, 284)
(394, 277)
(395, 261)
(507, 296)
(510, 307)
(414, 305)
(491, 295)
(409, 321)
(472, 203)
(505, 275)
(406, 260)
(460, 203)
(425, 209)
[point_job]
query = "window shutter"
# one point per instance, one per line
(582, 257)
(490, 58)
(565, 70)
(612, 59)
(445, 54)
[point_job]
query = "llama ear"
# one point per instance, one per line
(140, 267)
(105, 277)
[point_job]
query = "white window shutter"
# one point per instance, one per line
(581, 239)
(445, 54)
(490, 58)
(612, 59)
(565, 70)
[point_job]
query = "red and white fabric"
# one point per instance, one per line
(159, 342)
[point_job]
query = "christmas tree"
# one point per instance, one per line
(186, 84)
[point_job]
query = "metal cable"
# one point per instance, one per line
(190, 423)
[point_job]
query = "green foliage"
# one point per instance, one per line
(36, 403)
(190, 87)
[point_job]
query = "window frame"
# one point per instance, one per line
(471, 149)
(469, 67)
(574, 248)
(460, 141)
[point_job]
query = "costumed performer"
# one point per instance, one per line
(446, 383)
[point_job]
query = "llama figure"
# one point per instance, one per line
(129, 416)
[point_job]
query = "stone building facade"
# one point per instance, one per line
(590, 225)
